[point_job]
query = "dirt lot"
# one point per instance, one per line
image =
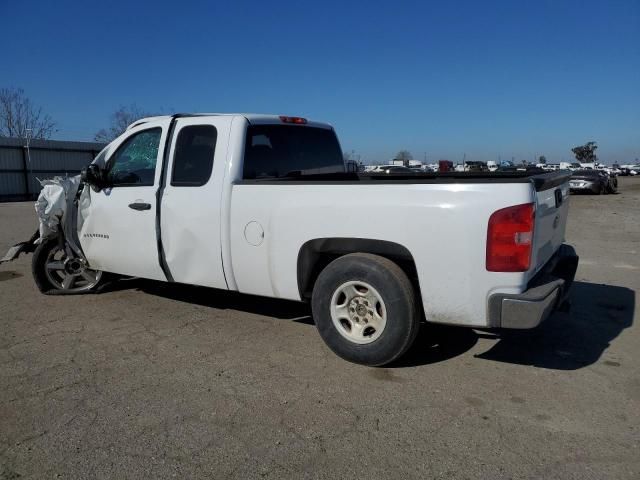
(156, 381)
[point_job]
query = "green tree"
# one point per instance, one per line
(542, 159)
(586, 153)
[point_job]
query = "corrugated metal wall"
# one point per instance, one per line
(21, 167)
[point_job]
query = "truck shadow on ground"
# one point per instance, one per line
(566, 341)
(219, 299)
(437, 343)
(569, 341)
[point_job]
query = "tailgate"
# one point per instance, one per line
(552, 209)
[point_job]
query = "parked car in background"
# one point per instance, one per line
(632, 166)
(475, 167)
(531, 169)
(633, 169)
(445, 166)
(394, 169)
(570, 166)
(590, 181)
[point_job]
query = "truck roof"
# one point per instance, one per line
(253, 118)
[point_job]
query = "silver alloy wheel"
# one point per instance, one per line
(69, 274)
(358, 312)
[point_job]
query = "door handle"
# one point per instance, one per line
(140, 206)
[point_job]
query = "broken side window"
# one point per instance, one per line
(134, 163)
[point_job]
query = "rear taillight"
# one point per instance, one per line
(509, 238)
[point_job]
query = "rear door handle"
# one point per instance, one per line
(140, 206)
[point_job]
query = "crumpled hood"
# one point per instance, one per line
(56, 209)
(53, 202)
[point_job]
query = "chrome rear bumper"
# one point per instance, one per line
(546, 292)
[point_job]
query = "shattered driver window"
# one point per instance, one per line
(134, 163)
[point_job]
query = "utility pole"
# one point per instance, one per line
(28, 133)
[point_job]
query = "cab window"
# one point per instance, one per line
(134, 163)
(273, 151)
(193, 157)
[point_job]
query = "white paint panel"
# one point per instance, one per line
(190, 216)
(443, 226)
(131, 246)
(550, 225)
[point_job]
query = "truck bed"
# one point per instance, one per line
(542, 181)
(439, 218)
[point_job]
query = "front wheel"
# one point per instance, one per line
(365, 310)
(55, 272)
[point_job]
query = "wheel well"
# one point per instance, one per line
(316, 254)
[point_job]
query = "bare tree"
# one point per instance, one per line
(120, 120)
(18, 116)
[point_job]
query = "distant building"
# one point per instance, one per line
(22, 167)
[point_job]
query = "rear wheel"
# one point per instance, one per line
(53, 270)
(365, 309)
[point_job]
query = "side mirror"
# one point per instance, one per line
(93, 176)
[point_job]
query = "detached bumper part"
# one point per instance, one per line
(14, 252)
(23, 247)
(546, 292)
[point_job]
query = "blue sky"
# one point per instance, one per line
(489, 79)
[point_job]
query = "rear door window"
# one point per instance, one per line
(274, 151)
(193, 157)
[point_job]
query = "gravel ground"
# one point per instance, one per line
(155, 381)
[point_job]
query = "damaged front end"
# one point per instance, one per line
(59, 265)
(57, 213)
(57, 210)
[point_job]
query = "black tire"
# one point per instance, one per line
(401, 312)
(42, 280)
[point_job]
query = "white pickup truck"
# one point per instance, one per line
(264, 205)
